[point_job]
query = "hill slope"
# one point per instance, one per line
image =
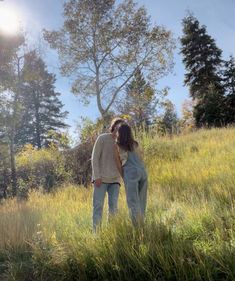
(189, 232)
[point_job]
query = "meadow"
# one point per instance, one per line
(189, 233)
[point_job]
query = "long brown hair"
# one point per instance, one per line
(115, 122)
(125, 138)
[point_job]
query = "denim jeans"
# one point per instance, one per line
(136, 184)
(98, 201)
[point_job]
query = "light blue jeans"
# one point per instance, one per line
(98, 201)
(136, 185)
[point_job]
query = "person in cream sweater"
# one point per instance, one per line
(105, 174)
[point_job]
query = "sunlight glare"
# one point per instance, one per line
(9, 20)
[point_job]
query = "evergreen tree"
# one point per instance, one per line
(229, 87)
(202, 59)
(139, 102)
(169, 120)
(210, 110)
(42, 107)
(9, 46)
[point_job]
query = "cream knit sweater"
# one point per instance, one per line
(103, 162)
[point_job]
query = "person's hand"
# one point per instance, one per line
(98, 182)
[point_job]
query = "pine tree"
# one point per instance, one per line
(210, 110)
(168, 122)
(202, 59)
(229, 87)
(9, 46)
(42, 107)
(139, 102)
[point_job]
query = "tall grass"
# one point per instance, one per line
(189, 232)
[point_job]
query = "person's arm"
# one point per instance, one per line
(118, 160)
(95, 161)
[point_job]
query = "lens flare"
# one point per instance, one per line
(9, 20)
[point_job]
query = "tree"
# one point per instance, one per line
(229, 87)
(202, 59)
(210, 111)
(4, 169)
(101, 45)
(187, 120)
(139, 101)
(9, 46)
(42, 108)
(10, 86)
(167, 123)
(4, 151)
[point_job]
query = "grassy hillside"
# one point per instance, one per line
(189, 232)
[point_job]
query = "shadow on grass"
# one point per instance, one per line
(120, 252)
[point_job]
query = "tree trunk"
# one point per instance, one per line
(13, 130)
(13, 167)
(38, 135)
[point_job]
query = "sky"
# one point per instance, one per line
(217, 15)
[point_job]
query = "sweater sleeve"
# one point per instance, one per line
(96, 153)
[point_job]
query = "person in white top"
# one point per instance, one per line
(132, 169)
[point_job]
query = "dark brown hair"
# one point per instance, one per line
(125, 138)
(115, 122)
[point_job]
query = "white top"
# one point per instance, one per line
(123, 155)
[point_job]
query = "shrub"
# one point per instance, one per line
(41, 168)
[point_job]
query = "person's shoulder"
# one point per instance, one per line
(104, 136)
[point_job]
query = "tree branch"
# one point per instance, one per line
(126, 81)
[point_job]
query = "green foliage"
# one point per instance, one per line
(78, 162)
(168, 122)
(229, 87)
(29, 106)
(44, 168)
(60, 140)
(140, 101)
(9, 46)
(88, 129)
(78, 159)
(5, 177)
(202, 59)
(10, 108)
(210, 110)
(42, 108)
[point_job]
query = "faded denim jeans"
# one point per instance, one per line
(98, 201)
(136, 184)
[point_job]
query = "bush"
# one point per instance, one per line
(78, 159)
(78, 162)
(40, 168)
(5, 172)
